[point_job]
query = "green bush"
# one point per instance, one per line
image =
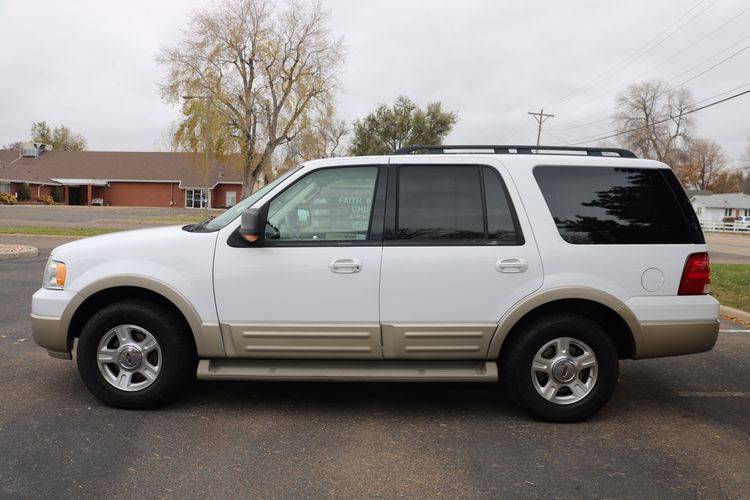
(7, 199)
(57, 194)
(24, 193)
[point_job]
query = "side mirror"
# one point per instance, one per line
(304, 218)
(252, 226)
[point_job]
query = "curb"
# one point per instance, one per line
(735, 314)
(27, 252)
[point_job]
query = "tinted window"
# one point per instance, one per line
(439, 203)
(501, 219)
(602, 205)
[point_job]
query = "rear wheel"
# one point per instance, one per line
(561, 368)
(134, 355)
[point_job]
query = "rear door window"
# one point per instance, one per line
(439, 203)
(608, 205)
(454, 203)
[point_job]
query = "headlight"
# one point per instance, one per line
(54, 275)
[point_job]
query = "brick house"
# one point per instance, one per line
(151, 179)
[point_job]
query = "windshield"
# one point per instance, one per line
(234, 212)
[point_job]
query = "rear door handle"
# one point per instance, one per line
(512, 265)
(345, 266)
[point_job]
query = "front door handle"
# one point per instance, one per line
(345, 266)
(512, 265)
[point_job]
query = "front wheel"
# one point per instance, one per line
(134, 355)
(561, 368)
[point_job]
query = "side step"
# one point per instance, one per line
(366, 371)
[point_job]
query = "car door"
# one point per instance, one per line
(458, 253)
(310, 288)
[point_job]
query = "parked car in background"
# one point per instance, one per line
(742, 223)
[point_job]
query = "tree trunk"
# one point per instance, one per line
(249, 174)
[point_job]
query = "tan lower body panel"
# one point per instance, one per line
(309, 341)
(338, 370)
(437, 341)
(659, 339)
(46, 333)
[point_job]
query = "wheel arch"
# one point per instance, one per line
(206, 338)
(614, 316)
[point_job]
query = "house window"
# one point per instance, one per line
(698, 210)
(5, 187)
(727, 212)
(231, 198)
(747, 212)
(195, 198)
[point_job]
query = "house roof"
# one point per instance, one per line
(730, 200)
(52, 167)
(13, 171)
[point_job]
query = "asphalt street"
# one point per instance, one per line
(93, 217)
(675, 428)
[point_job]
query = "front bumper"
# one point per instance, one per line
(51, 311)
(47, 333)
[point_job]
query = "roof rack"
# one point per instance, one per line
(508, 149)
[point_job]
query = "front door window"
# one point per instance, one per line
(329, 204)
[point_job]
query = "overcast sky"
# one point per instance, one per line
(90, 64)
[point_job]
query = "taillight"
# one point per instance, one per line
(696, 276)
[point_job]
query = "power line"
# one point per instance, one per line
(575, 123)
(657, 122)
(512, 129)
(635, 55)
(731, 56)
(711, 67)
(680, 52)
(722, 93)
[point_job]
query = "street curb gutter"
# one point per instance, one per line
(735, 313)
(25, 253)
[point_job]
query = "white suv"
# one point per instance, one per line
(539, 267)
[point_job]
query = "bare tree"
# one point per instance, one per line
(705, 165)
(261, 69)
(745, 159)
(320, 137)
(168, 139)
(652, 118)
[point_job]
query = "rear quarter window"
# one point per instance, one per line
(610, 205)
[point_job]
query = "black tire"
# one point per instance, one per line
(174, 354)
(526, 387)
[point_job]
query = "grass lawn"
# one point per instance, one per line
(56, 231)
(730, 284)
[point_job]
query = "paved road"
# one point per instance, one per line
(728, 248)
(101, 217)
(676, 428)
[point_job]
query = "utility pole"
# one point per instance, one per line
(540, 118)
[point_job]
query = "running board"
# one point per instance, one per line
(365, 371)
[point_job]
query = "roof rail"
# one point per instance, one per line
(509, 149)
